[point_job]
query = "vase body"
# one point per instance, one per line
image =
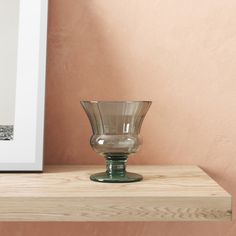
(116, 127)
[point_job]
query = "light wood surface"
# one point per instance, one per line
(65, 193)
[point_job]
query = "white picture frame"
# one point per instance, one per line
(25, 151)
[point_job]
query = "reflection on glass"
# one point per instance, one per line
(116, 127)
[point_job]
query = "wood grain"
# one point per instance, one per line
(65, 193)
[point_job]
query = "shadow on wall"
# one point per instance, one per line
(81, 65)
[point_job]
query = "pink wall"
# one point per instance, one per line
(181, 55)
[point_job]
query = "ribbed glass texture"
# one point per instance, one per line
(116, 127)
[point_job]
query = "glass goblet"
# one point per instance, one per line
(116, 126)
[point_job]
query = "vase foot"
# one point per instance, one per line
(106, 178)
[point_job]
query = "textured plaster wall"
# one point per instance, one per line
(181, 55)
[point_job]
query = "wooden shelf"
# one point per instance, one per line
(65, 193)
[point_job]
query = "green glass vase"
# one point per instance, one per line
(116, 127)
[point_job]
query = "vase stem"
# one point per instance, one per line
(116, 166)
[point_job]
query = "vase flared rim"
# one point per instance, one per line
(116, 101)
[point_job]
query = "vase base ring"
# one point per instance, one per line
(105, 178)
